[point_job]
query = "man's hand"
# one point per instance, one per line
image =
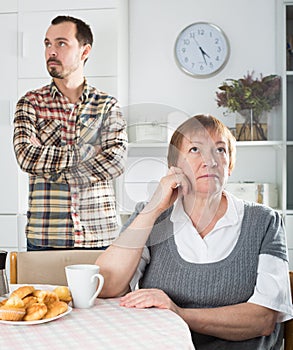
(98, 149)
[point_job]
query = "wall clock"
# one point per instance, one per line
(201, 49)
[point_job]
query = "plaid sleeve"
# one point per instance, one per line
(110, 162)
(38, 160)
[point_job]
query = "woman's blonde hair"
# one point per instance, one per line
(197, 123)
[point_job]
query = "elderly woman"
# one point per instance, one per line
(217, 261)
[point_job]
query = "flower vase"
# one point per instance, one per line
(250, 126)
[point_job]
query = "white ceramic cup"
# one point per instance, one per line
(83, 284)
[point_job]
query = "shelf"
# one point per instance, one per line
(258, 143)
(148, 145)
(239, 144)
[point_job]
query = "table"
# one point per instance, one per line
(105, 326)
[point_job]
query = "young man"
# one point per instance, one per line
(71, 139)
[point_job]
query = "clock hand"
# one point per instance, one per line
(204, 54)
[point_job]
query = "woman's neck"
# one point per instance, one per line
(205, 211)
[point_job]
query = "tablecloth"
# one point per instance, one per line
(107, 326)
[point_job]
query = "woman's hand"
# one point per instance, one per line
(171, 186)
(145, 298)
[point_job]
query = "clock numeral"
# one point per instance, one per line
(186, 60)
(217, 41)
(183, 49)
(200, 32)
(201, 67)
(186, 41)
(219, 49)
(217, 58)
(192, 35)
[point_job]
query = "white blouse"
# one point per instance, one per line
(272, 288)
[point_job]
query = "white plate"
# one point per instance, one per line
(45, 320)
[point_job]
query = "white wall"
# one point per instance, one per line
(154, 25)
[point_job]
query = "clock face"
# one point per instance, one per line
(202, 49)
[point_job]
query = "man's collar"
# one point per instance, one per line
(56, 92)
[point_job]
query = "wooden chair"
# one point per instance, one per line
(288, 326)
(47, 267)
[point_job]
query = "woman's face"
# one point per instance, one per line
(204, 158)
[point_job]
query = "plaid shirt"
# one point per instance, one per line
(71, 195)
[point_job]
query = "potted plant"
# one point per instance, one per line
(250, 97)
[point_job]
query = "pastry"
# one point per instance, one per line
(29, 300)
(13, 308)
(56, 308)
(63, 293)
(11, 313)
(14, 302)
(45, 296)
(35, 312)
(22, 292)
(29, 304)
(3, 302)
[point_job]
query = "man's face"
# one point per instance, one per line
(63, 53)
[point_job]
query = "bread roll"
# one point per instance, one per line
(56, 308)
(63, 293)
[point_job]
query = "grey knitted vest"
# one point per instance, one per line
(229, 281)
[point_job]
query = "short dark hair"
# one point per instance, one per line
(198, 122)
(84, 34)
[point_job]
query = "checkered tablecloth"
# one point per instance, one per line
(107, 326)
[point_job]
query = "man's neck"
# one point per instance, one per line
(70, 89)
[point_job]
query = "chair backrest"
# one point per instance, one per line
(47, 267)
(288, 327)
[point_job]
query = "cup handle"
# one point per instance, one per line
(101, 283)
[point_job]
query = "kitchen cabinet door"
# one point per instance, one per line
(8, 6)
(9, 170)
(139, 181)
(37, 5)
(8, 232)
(8, 57)
(103, 59)
(8, 93)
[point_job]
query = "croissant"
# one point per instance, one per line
(56, 308)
